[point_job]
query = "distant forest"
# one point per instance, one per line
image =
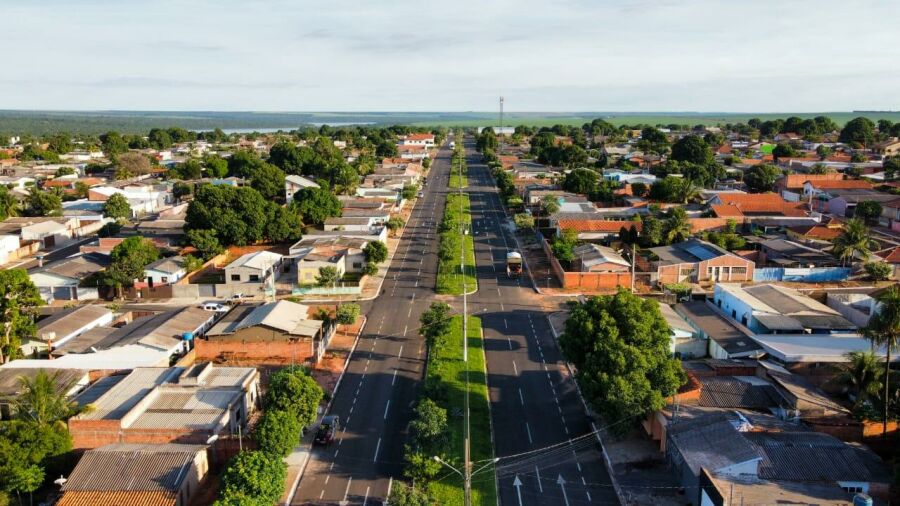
(140, 122)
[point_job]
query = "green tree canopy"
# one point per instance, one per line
(268, 180)
(40, 203)
(583, 181)
(858, 131)
(206, 242)
(762, 178)
(19, 299)
(692, 148)
(117, 207)
(868, 210)
(238, 216)
(435, 322)
(375, 252)
(315, 205)
(254, 475)
(278, 432)
(620, 347)
(347, 314)
(294, 391)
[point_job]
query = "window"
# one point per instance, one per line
(357, 265)
(164, 279)
(254, 277)
(738, 271)
(235, 277)
(853, 490)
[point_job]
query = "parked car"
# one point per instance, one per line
(215, 307)
(236, 298)
(327, 430)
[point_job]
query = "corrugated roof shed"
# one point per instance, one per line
(117, 498)
(133, 467)
(69, 321)
(128, 392)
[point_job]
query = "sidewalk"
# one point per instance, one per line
(327, 373)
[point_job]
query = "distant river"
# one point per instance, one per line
(285, 129)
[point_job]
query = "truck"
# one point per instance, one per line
(513, 264)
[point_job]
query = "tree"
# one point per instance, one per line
(859, 131)
(783, 151)
(345, 178)
(243, 163)
(181, 190)
(117, 207)
(677, 226)
(283, 223)
(862, 375)
(238, 216)
(884, 331)
(190, 169)
(854, 241)
(394, 224)
(328, 276)
(375, 252)
(294, 391)
(879, 271)
(64, 171)
(216, 166)
(256, 475)
(9, 205)
(638, 189)
(192, 263)
(524, 221)
(653, 141)
(278, 432)
(315, 205)
(564, 245)
(128, 260)
(582, 181)
(762, 178)
(159, 138)
(868, 210)
(81, 189)
(550, 203)
(370, 269)
(268, 180)
(429, 424)
(129, 165)
(113, 144)
(205, 242)
(409, 191)
(692, 148)
(823, 151)
(289, 158)
(620, 347)
(43, 203)
(347, 314)
(405, 495)
(43, 400)
(435, 323)
(19, 299)
(891, 166)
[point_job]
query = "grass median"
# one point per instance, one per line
(451, 273)
(447, 366)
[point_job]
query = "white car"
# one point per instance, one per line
(214, 307)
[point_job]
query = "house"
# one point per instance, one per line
(825, 233)
(158, 336)
(823, 187)
(347, 223)
(888, 148)
(412, 152)
(282, 331)
(752, 206)
(160, 405)
(599, 230)
(724, 340)
(63, 326)
(51, 232)
(318, 249)
(256, 270)
(69, 381)
(685, 341)
(9, 246)
(311, 260)
(696, 261)
(426, 140)
(790, 254)
(294, 183)
(793, 329)
(137, 475)
(143, 199)
(165, 271)
(786, 460)
(595, 258)
(70, 279)
(843, 202)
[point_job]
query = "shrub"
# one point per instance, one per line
(278, 432)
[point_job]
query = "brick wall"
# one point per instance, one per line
(269, 352)
(597, 280)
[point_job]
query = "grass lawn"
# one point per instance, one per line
(450, 275)
(446, 363)
(458, 178)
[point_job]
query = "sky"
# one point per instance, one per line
(392, 55)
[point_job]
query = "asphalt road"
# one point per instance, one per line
(374, 400)
(538, 419)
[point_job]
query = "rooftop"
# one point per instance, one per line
(720, 330)
(260, 260)
(286, 316)
(69, 321)
(691, 251)
(133, 467)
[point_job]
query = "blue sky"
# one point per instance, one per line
(391, 55)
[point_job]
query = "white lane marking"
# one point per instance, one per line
(386, 408)
(508, 340)
(336, 452)
(331, 467)
(515, 369)
(394, 378)
(405, 328)
(409, 313)
(521, 398)
(347, 492)
(538, 474)
(528, 429)
(400, 353)
(377, 446)
(322, 494)
(328, 477)
(390, 484)
(505, 325)
(366, 498)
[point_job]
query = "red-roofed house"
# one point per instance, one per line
(791, 186)
(412, 151)
(741, 205)
(820, 187)
(596, 230)
(426, 140)
(891, 256)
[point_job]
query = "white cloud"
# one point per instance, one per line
(650, 55)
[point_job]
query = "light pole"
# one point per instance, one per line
(467, 475)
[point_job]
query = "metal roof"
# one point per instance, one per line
(133, 467)
(812, 456)
(119, 400)
(11, 379)
(717, 328)
(733, 392)
(286, 316)
(70, 321)
(711, 443)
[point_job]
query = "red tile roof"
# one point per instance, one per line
(731, 199)
(844, 184)
(117, 498)
(420, 137)
(891, 256)
(818, 232)
(796, 181)
(611, 226)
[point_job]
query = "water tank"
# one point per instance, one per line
(187, 336)
(862, 500)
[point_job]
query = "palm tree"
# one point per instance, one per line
(687, 191)
(9, 206)
(854, 241)
(677, 226)
(884, 330)
(862, 375)
(550, 203)
(43, 399)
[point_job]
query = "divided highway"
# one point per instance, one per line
(540, 429)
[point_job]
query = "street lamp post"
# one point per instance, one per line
(467, 475)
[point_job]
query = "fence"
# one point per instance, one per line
(586, 280)
(326, 290)
(803, 275)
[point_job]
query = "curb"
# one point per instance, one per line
(337, 385)
(606, 461)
